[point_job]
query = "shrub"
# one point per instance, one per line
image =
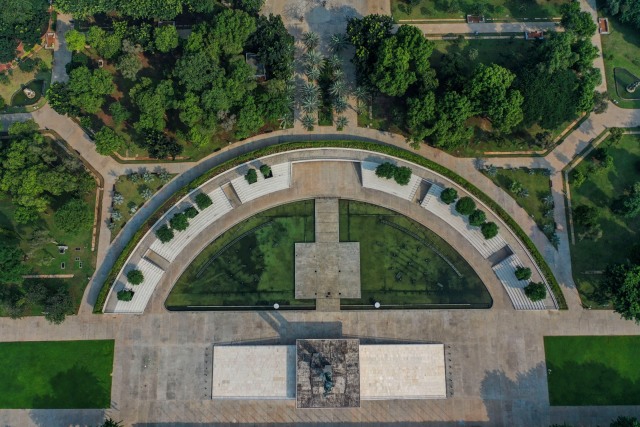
(203, 201)
(135, 277)
(164, 234)
(191, 212)
(251, 176)
(27, 65)
(73, 215)
(402, 175)
(477, 218)
(466, 206)
(489, 230)
(523, 273)
(125, 295)
(385, 170)
(449, 195)
(179, 222)
(535, 291)
(266, 171)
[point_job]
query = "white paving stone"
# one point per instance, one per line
(280, 180)
(461, 224)
(142, 292)
(371, 180)
(505, 271)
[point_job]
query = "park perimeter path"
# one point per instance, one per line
(486, 28)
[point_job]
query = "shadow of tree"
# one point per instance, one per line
(76, 388)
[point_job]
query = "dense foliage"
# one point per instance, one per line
(626, 10)
(622, 284)
(21, 21)
(535, 291)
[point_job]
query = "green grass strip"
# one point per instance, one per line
(359, 145)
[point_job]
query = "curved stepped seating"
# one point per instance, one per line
(142, 292)
(371, 180)
(460, 223)
(280, 180)
(505, 271)
(172, 249)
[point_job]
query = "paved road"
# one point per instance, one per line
(61, 55)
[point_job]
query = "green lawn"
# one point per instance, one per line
(40, 239)
(131, 193)
(621, 50)
(600, 190)
(405, 264)
(536, 183)
(496, 9)
(251, 264)
(56, 374)
(593, 370)
(19, 78)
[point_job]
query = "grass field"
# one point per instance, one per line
(599, 190)
(403, 263)
(56, 375)
(593, 370)
(497, 9)
(251, 264)
(537, 184)
(621, 49)
(130, 192)
(19, 78)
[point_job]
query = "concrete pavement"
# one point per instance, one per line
(486, 28)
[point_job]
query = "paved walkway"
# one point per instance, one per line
(486, 28)
(61, 55)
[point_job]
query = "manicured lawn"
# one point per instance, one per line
(536, 183)
(131, 193)
(621, 50)
(56, 374)
(619, 234)
(251, 264)
(40, 240)
(19, 78)
(497, 9)
(403, 263)
(593, 370)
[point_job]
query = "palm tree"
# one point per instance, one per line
(340, 105)
(312, 58)
(286, 120)
(334, 62)
(338, 89)
(341, 122)
(310, 103)
(308, 122)
(312, 73)
(338, 42)
(310, 40)
(338, 74)
(308, 88)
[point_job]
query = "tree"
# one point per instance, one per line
(20, 21)
(166, 38)
(135, 277)
(450, 130)
(73, 216)
(421, 113)
(160, 145)
(535, 291)
(164, 234)
(11, 267)
(449, 195)
(252, 7)
(489, 230)
(615, 135)
(249, 119)
(191, 212)
(265, 170)
(107, 45)
(251, 176)
(367, 35)
(628, 205)
(585, 216)
(119, 113)
(125, 295)
(274, 46)
(523, 273)
(230, 31)
(385, 170)
(179, 222)
(477, 218)
(578, 178)
(402, 175)
(129, 65)
(75, 40)
(107, 141)
(626, 10)
(203, 201)
(59, 98)
(465, 206)
(110, 422)
(152, 101)
(622, 283)
(87, 89)
(57, 306)
(574, 20)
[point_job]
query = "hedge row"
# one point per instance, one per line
(361, 145)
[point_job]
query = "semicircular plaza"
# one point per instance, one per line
(337, 173)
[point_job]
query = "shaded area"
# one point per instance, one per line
(56, 375)
(624, 78)
(404, 264)
(250, 265)
(593, 370)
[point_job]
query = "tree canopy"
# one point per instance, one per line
(622, 283)
(21, 21)
(627, 10)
